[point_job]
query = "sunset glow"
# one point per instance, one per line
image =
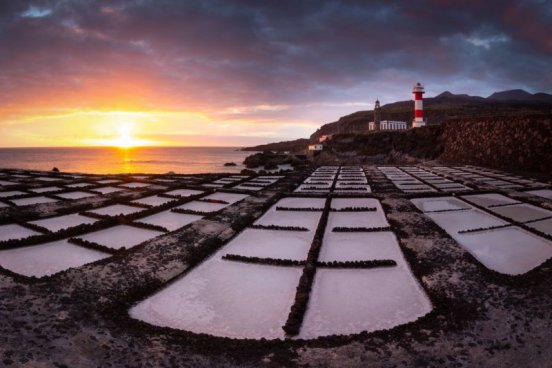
(197, 73)
(125, 139)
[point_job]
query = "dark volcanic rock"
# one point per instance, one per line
(295, 146)
(521, 145)
(270, 161)
(513, 144)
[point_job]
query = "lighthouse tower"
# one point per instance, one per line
(377, 116)
(418, 91)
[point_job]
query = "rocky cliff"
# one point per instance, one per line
(522, 144)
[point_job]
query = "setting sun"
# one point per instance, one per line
(125, 139)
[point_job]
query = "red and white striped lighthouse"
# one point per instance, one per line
(418, 91)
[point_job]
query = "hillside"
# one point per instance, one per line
(512, 104)
(448, 106)
(518, 144)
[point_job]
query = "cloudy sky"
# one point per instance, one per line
(214, 72)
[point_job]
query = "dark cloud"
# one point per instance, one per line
(213, 54)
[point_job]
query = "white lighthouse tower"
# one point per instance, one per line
(418, 91)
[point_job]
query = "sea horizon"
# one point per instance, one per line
(133, 160)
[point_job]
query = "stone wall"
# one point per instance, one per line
(512, 144)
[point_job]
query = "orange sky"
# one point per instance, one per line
(129, 112)
(141, 111)
(179, 73)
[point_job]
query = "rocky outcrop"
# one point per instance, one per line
(295, 146)
(514, 144)
(522, 144)
(270, 161)
(423, 143)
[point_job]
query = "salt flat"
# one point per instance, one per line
(545, 193)
(318, 182)
(298, 203)
(120, 236)
(79, 185)
(47, 259)
(244, 186)
(225, 298)
(63, 222)
(225, 181)
(360, 189)
(231, 198)
(45, 189)
(439, 204)
(15, 231)
(11, 193)
(170, 220)
(353, 246)
(456, 221)
(544, 226)
(107, 190)
(134, 185)
(116, 210)
(75, 195)
(343, 301)
(307, 220)
(184, 192)
(459, 188)
(367, 219)
(512, 251)
(153, 200)
(447, 185)
(312, 188)
(348, 183)
(241, 300)
(490, 199)
(522, 212)
(33, 200)
(341, 203)
(108, 181)
(204, 207)
(212, 185)
(271, 244)
(47, 178)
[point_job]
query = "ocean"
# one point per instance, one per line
(110, 160)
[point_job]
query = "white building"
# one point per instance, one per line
(315, 147)
(388, 125)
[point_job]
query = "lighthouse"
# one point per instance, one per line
(418, 91)
(377, 115)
